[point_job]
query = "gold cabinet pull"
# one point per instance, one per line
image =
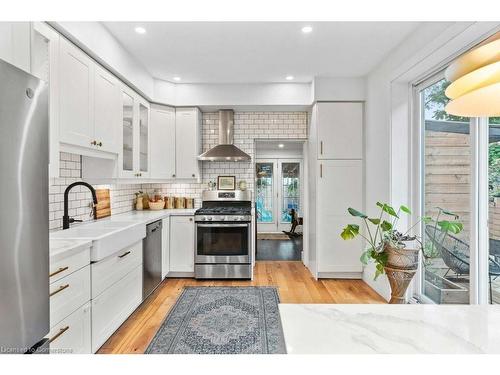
(321, 147)
(58, 334)
(124, 254)
(60, 289)
(62, 269)
(321, 170)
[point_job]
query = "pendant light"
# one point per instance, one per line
(475, 82)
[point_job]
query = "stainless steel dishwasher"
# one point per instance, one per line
(151, 262)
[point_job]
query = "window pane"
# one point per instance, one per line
(264, 199)
(290, 173)
(494, 214)
(447, 192)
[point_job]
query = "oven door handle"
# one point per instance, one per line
(222, 225)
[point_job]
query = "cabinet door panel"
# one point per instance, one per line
(73, 334)
(107, 109)
(142, 132)
(187, 140)
(181, 244)
(340, 130)
(126, 158)
(75, 101)
(114, 305)
(340, 186)
(162, 142)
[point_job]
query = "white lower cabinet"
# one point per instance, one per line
(114, 305)
(181, 244)
(165, 248)
(68, 294)
(72, 335)
(69, 302)
(108, 271)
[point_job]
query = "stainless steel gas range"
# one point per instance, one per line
(223, 235)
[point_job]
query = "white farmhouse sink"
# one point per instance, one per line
(107, 237)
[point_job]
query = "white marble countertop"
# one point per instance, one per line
(60, 248)
(148, 216)
(62, 241)
(397, 329)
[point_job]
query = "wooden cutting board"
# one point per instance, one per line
(103, 203)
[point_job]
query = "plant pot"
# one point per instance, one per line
(399, 280)
(405, 259)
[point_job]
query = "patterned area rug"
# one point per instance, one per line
(222, 320)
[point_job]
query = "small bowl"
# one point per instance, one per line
(155, 206)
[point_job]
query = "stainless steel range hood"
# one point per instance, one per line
(225, 150)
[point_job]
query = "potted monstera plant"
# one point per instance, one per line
(395, 251)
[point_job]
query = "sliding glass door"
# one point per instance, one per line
(446, 195)
(494, 210)
(459, 164)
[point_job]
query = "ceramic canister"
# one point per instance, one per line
(169, 202)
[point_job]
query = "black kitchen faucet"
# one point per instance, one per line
(68, 220)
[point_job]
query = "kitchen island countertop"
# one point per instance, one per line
(396, 329)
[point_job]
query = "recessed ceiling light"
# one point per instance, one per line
(177, 78)
(307, 29)
(140, 30)
(281, 145)
(289, 78)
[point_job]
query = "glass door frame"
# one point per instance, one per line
(479, 203)
(277, 223)
(267, 226)
(283, 225)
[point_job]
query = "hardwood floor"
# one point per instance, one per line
(294, 282)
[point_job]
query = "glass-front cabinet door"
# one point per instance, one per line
(143, 129)
(127, 154)
(134, 156)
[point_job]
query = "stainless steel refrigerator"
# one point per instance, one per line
(24, 231)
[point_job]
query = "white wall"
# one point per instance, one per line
(338, 89)
(388, 111)
(271, 94)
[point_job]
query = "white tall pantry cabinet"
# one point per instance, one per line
(336, 173)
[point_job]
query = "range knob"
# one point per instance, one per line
(203, 218)
(209, 218)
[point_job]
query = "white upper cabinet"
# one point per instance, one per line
(134, 157)
(15, 44)
(89, 104)
(75, 96)
(187, 143)
(143, 130)
(162, 142)
(339, 130)
(107, 109)
(45, 65)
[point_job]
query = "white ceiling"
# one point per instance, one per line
(258, 52)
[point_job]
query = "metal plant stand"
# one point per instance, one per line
(399, 279)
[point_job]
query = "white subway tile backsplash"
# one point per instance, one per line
(248, 126)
